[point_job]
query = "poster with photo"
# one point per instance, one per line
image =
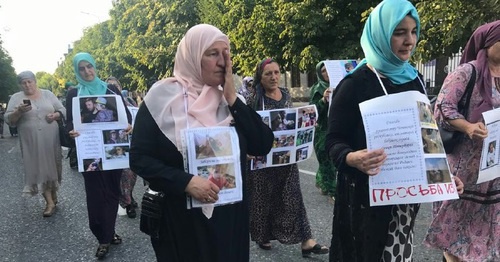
(416, 169)
(489, 168)
(214, 154)
(293, 130)
(101, 122)
(338, 69)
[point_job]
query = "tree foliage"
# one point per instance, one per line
(138, 44)
(447, 25)
(8, 80)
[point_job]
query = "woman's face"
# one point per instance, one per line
(404, 38)
(324, 73)
(29, 86)
(86, 71)
(119, 151)
(493, 53)
(115, 83)
(271, 76)
(213, 70)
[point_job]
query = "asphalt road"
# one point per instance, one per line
(26, 236)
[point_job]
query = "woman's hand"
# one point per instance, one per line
(73, 133)
(459, 184)
(476, 130)
(52, 117)
(229, 89)
(128, 130)
(203, 190)
(23, 108)
(368, 162)
(326, 95)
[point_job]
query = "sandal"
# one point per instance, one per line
(102, 250)
(266, 246)
(116, 239)
(316, 249)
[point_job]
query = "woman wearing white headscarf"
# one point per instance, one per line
(203, 85)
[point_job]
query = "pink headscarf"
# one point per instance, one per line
(484, 37)
(206, 105)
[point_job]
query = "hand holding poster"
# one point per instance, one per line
(489, 168)
(103, 143)
(416, 169)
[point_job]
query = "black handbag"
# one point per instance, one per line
(151, 213)
(452, 138)
(64, 137)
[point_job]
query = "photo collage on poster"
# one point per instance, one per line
(435, 158)
(293, 130)
(103, 143)
(213, 154)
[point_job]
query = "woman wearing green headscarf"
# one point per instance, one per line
(361, 232)
(102, 188)
(320, 93)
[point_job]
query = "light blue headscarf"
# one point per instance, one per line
(376, 40)
(96, 86)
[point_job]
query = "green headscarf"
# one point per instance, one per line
(376, 40)
(320, 86)
(94, 87)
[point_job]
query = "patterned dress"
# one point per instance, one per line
(277, 210)
(469, 227)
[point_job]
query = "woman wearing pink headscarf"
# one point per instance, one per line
(201, 94)
(468, 229)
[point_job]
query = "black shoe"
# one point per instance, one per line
(116, 239)
(131, 213)
(102, 250)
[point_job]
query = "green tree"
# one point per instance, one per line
(8, 80)
(447, 25)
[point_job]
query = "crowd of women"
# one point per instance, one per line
(202, 94)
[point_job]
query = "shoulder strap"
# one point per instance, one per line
(469, 88)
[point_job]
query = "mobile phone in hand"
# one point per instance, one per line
(27, 102)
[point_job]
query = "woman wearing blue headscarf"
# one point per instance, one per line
(361, 232)
(102, 188)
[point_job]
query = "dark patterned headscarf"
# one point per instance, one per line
(484, 37)
(257, 86)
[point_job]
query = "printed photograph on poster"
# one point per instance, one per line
(283, 120)
(92, 164)
(307, 117)
(258, 162)
(432, 142)
(221, 175)
(491, 155)
(115, 136)
(284, 140)
(117, 152)
(425, 114)
(281, 157)
(212, 145)
(98, 109)
(437, 171)
(305, 136)
(301, 153)
(349, 65)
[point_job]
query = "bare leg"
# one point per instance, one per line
(50, 206)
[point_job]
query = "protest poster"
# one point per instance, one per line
(103, 143)
(214, 154)
(293, 130)
(489, 168)
(416, 169)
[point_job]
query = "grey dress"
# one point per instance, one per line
(40, 146)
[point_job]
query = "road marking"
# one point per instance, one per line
(10, 151)
(307, 172)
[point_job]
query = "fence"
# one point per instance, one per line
(435, 71)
